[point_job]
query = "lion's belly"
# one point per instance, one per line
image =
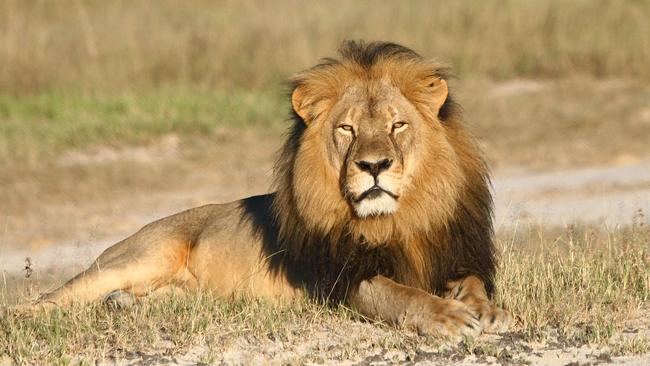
(228, 259)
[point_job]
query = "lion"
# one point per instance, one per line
(381, 202)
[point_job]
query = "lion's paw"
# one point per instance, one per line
(495, 320)
(451, 319)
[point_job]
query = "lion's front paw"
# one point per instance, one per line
(449, 319)
(495, 320)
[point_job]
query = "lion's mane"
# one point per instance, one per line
(309, 232)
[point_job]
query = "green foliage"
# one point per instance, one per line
(34, 126)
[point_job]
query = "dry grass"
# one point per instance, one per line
(574, 285)
(92, 45)
(585, 282)
(174, 323)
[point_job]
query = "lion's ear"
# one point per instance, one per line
(438, 91)
(299, 103)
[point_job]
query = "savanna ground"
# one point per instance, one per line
(113, 114)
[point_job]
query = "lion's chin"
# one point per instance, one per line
(383, 204)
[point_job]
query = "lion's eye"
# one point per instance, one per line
(398, 126)
(346, 129)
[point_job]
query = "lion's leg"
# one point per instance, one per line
(137, 265)
(383, 299)
(121, 298)
(471, 291)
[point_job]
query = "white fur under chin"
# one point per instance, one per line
(382, 205)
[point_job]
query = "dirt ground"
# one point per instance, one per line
(358, 343)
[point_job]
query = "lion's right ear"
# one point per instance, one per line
(438, 91)
(300, 103)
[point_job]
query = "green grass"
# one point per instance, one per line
(562, 123)
(36, 126)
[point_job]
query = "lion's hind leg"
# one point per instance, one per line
(138, 265)
(471, 291)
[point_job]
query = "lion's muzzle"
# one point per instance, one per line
(375, 192)
(372, 187)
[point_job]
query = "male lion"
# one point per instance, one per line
(382, 202)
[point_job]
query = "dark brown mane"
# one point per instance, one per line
(331, 262)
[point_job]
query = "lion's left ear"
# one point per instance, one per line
(437, 90)
(300, 103)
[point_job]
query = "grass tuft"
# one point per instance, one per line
(583, 283)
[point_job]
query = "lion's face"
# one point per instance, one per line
(377, 141)
(373, 146)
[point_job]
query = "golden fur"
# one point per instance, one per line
(382, 201)
(449, 205)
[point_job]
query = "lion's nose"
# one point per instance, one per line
(374, 167)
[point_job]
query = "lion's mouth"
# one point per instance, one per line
(375, 192)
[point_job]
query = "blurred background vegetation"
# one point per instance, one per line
(117, 45)
(76, 73)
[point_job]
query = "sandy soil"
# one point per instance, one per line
(612, 195)
(355, 344)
